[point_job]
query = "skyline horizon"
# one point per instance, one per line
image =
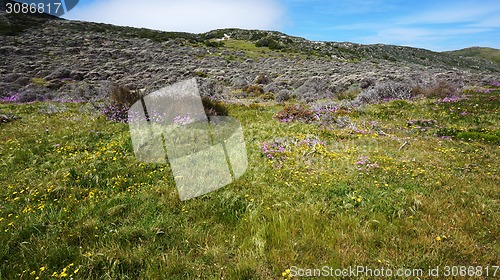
(433, 25)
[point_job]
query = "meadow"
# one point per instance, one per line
(400, 184)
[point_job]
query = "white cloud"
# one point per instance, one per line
(186, 15)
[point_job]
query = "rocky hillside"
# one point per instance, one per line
(45, 57)
(478, 52)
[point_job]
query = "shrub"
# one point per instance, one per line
(447, 132)
(123, 96)
(201, 74)
(283, 95)
(436, 89)
(349, 94)
(39, 82)
(34, 95)
(270, 43)
(493, 137)
(120, 100)
(297, 112)
(213, 44)
(314, 88)
(254, 89)
(214, 107)
(399, 104)
(266, 96)
(385, 91)
(262, 80)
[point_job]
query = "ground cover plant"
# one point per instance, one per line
(398, 184)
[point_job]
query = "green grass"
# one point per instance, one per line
(254, 52)
(75, 203)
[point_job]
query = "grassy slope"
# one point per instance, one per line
(485, 53)
(75, 202)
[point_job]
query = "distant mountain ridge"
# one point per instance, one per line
(473, 58)
(490, 54)
(354, 51)
(47, 56)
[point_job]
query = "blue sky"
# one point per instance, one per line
(435, 25)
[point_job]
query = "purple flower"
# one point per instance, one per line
(10, 99)
(364, 164)
(452, 99)
(183, 120)
(274, 151)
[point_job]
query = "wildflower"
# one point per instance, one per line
(274, 151)
(183, 120)
(438, 238)
(364, 164)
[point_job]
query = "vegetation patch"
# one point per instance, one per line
(332, 184)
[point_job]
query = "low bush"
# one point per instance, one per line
(39, 82)
(214, 107)
(439, 89)
(386, 91)
(200, 74)
(493, 137)
(254, 89)
(266, 96)
(121, 98)
(213, 44)
(34, 95)
(262, 80)
(296, 112)
(283, 95)
(447, 132)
